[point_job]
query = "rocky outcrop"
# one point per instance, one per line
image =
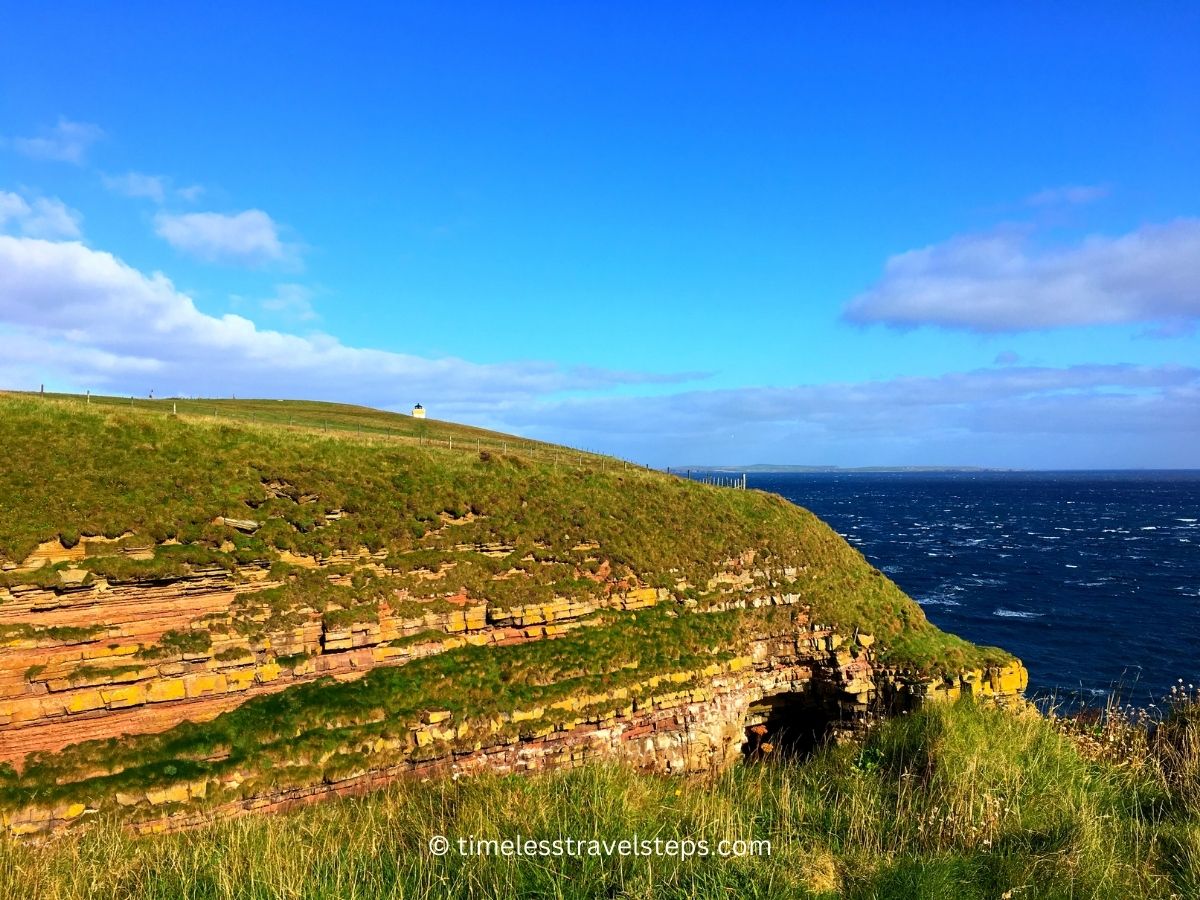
(810, 683)
(77, 661)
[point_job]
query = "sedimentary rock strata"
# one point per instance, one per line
(805, 677)
(200, 618)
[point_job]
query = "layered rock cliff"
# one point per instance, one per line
(298, 617)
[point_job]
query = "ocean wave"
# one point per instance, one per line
(943, 596)
(1016, 614)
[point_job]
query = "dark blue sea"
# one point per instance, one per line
(1092, 578)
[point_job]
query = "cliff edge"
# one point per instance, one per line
(208, 615)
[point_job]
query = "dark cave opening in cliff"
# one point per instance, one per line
(791, 725)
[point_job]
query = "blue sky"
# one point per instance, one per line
(688, 234)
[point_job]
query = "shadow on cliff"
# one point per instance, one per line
(790, 726)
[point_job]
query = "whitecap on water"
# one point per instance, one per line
(943, 596)
(1016, 614)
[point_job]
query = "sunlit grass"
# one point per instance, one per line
(955, 801)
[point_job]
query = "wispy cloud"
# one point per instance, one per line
(43, 217)
(989, 416)
(85, 317)
(158, 188)
(249, 238)
(1000, 282)
(292, 301)
(138, 184)
(66, 141)
(1069, 195)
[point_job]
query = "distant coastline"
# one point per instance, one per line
(772, 468)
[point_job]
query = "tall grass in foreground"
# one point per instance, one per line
(959, 802)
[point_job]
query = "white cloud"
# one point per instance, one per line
(247, 238)
(1068, 195)
(138, 184)
(12, 208)
(152, 187)
(89, 320)
(66, 141)
(42, 217)
(1000, 283)
(293, 301)
(1084, 415)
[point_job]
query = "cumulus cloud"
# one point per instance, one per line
(66, 141)
(42, 217)
(1068, 195)
(90, 320)
(1001, 283)
(248, 238)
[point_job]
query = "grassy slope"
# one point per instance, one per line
(302, 415)
(77, 470)
(958, 802)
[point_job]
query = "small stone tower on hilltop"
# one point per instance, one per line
(418, 411)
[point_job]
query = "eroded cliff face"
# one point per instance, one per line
(788, 687)
(202, 618)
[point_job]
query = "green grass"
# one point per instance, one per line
(957, 802)
(309, 416)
